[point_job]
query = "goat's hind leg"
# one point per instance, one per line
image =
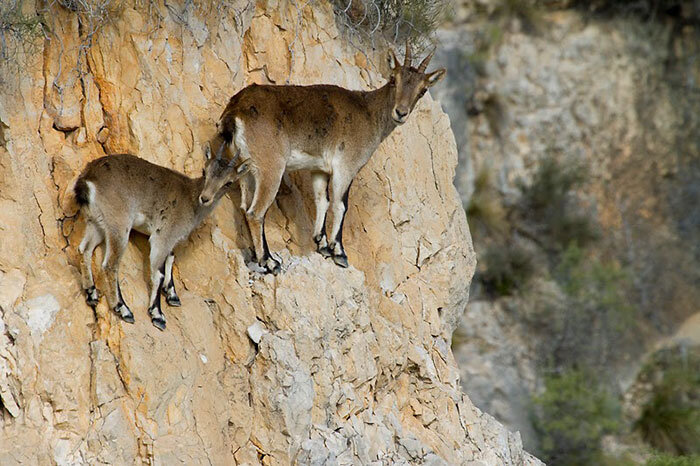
(158, 256)
(340, 188)
(319, 182)
(168, 288)
(116, 245)
(92, 238)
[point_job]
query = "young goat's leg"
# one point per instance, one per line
(168, 287)
(319, 181)
(159, 254)
(341, 188)
(93, 237)
(116, 244)
(265, 191)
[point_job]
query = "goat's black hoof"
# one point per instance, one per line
(272, 266)
(124, 313)
(325, 251)
(173, 301)
(92, 297)
(341, 261)
(158, 322)
(275, 269)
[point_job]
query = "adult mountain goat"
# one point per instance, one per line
(118, 193)
(328, 130)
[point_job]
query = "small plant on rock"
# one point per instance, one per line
(571, 416)
(670, 420)
(549, 203)
(507, 269)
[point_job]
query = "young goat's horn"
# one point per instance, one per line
(235, 158)
(424, 64)
(407, 61)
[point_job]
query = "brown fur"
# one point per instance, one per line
(122, 192)
(326, 129)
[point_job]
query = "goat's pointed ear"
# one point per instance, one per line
(435, 76)
(391, 60)
(207, 151)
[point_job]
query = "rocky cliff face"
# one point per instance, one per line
(618, 93)
(317, 365)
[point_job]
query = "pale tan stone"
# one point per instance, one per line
(351, 364)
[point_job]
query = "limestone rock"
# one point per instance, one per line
(343, 366)
(608, 93)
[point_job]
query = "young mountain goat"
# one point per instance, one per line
(118, 193)
(326, 129)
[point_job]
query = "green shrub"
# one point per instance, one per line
(485, 211)
(394, 20)
(23, 23)
(618, 460)
(595, 284)
(594, 319)
(506, 269)
(664, 459)
(552, 182)
(18, 29)
(644, 9)
(670, 420)
(550, 204)
(527, 11)
(571, 417)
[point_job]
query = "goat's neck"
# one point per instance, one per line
(200, 211)
(381, 103)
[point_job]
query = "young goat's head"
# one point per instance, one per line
(409, 83)
(219, 174)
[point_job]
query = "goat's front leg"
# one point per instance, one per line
(158, 256)
(341, 187)
(266, 186)
(168, 287)
(319, 182)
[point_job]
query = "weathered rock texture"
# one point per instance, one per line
(347, 367)
(619, 94)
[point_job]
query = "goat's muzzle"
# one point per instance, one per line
(399, 116)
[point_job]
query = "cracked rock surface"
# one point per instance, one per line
(319, 365)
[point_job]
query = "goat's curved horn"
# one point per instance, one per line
(424, 64)
(220, 152)
(407, 61)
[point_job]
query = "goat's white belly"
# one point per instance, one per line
(300, 160)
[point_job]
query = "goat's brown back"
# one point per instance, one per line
(309, 117)
(120, 176)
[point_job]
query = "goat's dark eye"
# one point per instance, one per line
(422, 92)
(229, 184)
(392, 80)
(204, 172)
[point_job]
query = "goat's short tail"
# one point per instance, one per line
(82, 192)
